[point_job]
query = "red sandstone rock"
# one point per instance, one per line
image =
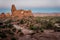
(28, 13)
(13, 8)
(20, 13)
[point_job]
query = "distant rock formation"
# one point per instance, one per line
(20, 13)
(2, 15)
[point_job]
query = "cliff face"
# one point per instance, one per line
(20, 13)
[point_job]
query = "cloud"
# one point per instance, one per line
(30, 3)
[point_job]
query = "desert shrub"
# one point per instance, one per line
(14, 29)
(21, 34)
(2, 26)
(32, 27)
(13, 38)
(38, 20)
(58, 21)
(9, 32)
(41, 29)
(8, 21)
(44, 23)
(50, 25)
(19, 30)
(8, 26)
(22, 21)
(2, 35)
(47, 24)
(30, 16)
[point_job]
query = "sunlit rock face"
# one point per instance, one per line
(28, 13)
(2, 15)
(20, 13)
(17, 14)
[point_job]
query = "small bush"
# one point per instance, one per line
(8, 26)
(32, 27)
(19, 30)
(8, 21)
(14, 29)
(2, 35)
(21, 34)
(9, 32)
(21, 21)
(2, 26)
(41, 29)
(38, 20)
(13, 38)
(49, 26)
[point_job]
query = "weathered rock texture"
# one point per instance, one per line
(20, 13)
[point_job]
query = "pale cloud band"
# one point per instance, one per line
(30, 3)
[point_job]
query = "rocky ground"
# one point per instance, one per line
(28, 29)
(46, 35)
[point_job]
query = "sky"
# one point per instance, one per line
(34, 5)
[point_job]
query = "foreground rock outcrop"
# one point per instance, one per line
(42, 36)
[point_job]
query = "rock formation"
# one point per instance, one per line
(20, 13)
(2, 15)
(17, 13)
(13, 8)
